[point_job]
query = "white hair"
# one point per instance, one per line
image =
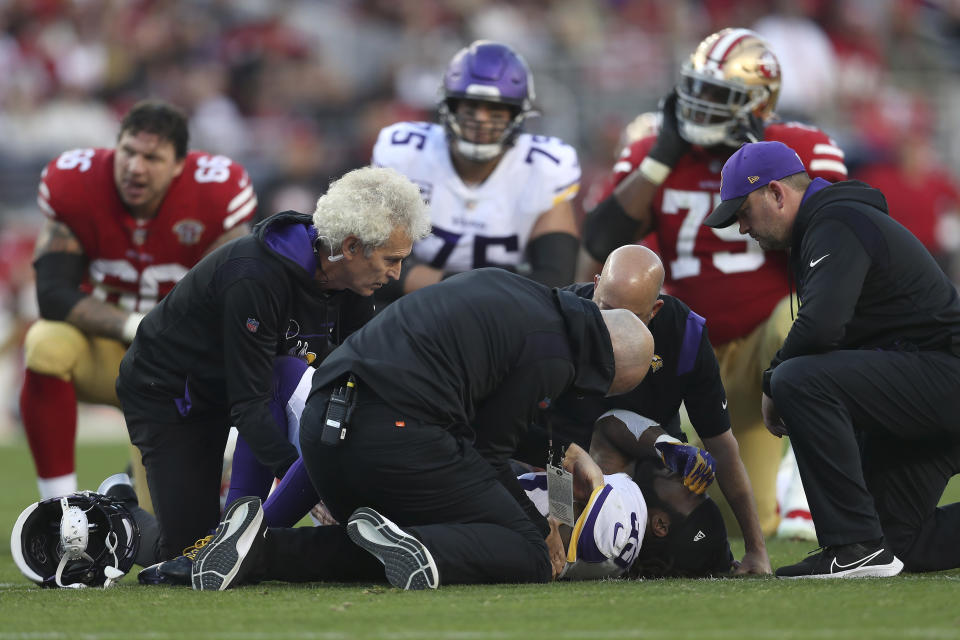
(370, 203)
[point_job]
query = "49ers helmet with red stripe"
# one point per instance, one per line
(731, 75)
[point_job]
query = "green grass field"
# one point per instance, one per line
(910, 606)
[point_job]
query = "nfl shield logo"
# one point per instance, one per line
(252, 325)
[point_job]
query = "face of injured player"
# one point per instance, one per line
(366, 270)
(144, 165)
(696, 543)
(668, 501)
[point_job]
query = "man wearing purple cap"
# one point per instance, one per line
(865, 383)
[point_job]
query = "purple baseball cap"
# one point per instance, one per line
(753, 166)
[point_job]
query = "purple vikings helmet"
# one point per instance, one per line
(79, 540)
(490, 72)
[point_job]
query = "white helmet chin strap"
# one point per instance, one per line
(74, 536)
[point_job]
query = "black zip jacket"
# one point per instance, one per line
(207, 349)
(864, 281)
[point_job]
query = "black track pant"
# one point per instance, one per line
(426, 481)
(877, 438)
(183, 463)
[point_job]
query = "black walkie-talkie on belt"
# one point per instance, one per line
(339, 411)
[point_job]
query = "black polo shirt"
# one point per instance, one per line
(684, 370)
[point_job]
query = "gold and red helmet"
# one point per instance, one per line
(731, 75)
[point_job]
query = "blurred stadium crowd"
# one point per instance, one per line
(296, 90)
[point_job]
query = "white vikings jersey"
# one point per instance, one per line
(483, 225)
(607, 535)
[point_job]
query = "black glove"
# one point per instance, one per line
(749, 129)
(670, 145)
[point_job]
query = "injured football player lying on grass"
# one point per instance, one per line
(646, 525)
(640, 519)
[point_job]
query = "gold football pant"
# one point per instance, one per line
(742, 362)
(91, 364)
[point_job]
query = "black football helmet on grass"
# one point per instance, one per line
(79, 540)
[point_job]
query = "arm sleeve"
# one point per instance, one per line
(704, 395)
(553, 258)
(830, 290)
(58, 283)
(250, 328)
(505, 415)
(607, 227)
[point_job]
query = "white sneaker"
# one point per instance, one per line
(407, 562)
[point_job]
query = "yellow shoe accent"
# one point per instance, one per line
(191, 551)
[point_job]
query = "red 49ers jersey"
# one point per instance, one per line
(722, 275)
(134, 263)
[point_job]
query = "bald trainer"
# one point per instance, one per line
(684, 369)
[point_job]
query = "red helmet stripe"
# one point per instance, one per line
(729, 47)
(720, 49)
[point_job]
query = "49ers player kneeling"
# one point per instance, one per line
(124, 225)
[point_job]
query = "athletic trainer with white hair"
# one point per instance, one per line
(202, 360)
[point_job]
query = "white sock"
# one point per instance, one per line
(791, 493)
(56, 487)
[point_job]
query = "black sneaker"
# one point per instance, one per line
(236, 545)
(407, 562)
(173, 572)
(856, 560)
(176, 571)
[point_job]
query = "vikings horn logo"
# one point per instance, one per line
(656, 363)
(302, 351)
